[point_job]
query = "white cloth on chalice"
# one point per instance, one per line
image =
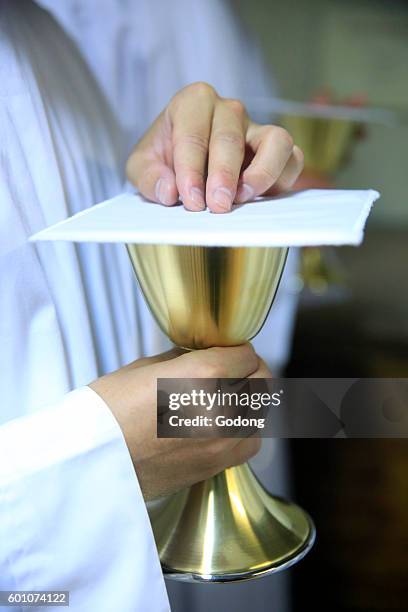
(304, 218)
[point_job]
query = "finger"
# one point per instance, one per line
(149, 168)
(243, 451)
(226, 154)
(273, 147)
(290, 174)
(191, 114)
(219, 453)
(146, 361)
(220, 362)
(262, 372)
(155, 181)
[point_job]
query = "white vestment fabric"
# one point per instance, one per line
(72, 516)
(71, 512)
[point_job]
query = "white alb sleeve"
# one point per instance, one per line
(72, 516)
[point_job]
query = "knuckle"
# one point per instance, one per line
(283, 136)
(197, 141)
(213, 369)
(263, 174)
(227, 174)
(201, 89)
(230, 138)
(217, 362)
(249, 350)
(236, 106)
(249, 356)
(213, 364)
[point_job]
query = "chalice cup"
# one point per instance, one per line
(327, 143)
(228, 527)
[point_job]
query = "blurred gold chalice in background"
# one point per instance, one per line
(228, 527)
(326, 143)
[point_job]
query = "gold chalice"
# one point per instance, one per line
(228, 527)
(326, 142)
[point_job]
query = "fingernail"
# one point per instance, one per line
(245, 193)
(162, 191)
(223, 197)
(197, 198)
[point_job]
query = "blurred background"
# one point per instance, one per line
(352, 317)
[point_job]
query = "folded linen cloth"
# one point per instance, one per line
(305, 218)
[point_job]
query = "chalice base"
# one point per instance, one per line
(228, 528)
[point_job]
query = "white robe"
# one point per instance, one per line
(72, 516)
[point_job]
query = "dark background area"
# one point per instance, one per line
(356, 490)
